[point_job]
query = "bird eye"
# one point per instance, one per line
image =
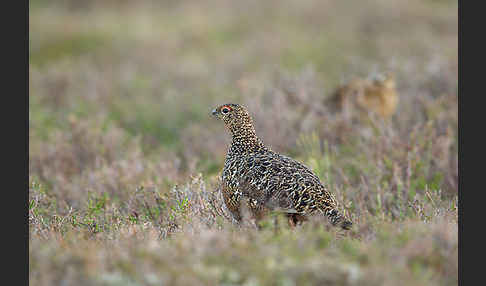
(225, 110)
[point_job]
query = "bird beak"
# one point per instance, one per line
(214, 112)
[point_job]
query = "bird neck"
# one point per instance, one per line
(245, 140)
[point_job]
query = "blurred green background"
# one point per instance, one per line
(155, 67)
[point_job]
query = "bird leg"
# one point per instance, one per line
(295, 219)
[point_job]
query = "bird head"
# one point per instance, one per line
(234, 116)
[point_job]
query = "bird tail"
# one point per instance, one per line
(338, 219)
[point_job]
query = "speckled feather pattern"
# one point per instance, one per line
(267, 180)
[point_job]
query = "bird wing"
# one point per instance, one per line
(276, 181)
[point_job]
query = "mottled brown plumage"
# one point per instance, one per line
(267, 180)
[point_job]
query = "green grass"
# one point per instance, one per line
(70, 46)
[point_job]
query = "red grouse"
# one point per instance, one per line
(268, 180)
